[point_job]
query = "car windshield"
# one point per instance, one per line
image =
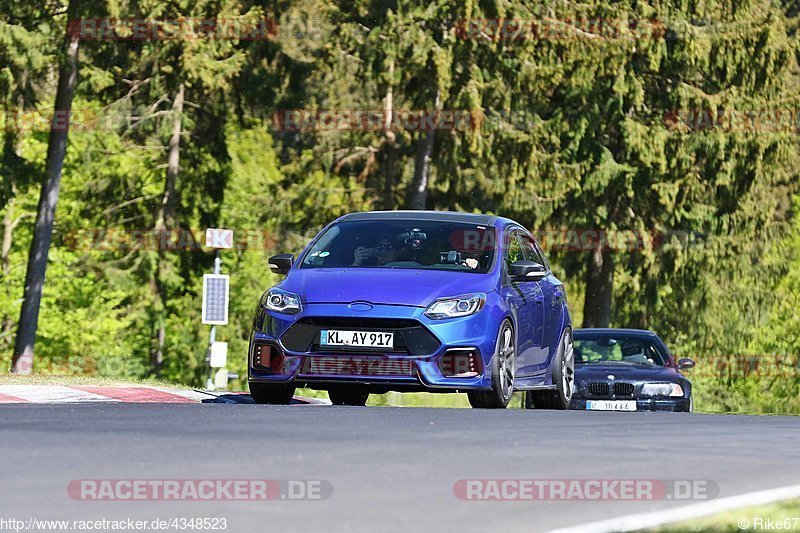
(412, 244)
(608, 349)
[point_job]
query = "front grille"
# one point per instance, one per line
(356, 366)
(623, 389)
(410, 336)
(598, 389)
(360, 322)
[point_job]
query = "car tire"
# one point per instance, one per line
(503, 370)
(563, 378)
(272, 393)
(348, 396)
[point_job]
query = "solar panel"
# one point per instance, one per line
(215, 298)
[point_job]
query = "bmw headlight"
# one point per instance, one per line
(282, 301)
(465, 305)
(662, 389)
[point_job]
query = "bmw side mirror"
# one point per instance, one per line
(685, 362)
(527, 270)
(281, 263)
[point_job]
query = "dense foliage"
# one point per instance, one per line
(662, 127)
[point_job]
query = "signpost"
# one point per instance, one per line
(219, 360)
(216, 290)
(219, 355)
(219, 238)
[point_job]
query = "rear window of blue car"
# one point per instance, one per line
(429, 245)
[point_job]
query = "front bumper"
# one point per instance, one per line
(642, 404)
(421, 360)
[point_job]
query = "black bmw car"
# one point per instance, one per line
(628, 370)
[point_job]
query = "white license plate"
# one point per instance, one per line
(358, 339)
(611, 405)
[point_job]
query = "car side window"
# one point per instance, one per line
(530, 250)
(513, 249)
(541, 253)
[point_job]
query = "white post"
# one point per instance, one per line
(217, 238)
(213, 335)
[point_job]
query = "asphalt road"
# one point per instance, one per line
(391, 469)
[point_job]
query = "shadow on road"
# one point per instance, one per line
(241, 397)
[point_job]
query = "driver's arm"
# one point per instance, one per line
(360, 256)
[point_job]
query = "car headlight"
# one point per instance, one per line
(282, 301)
(662, 389)
(468, 304)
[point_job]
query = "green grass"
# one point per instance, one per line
(749, 394)
(413, 399)
(786, 512)
(418, 399)
(396, 399)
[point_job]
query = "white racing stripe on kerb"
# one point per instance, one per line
(313, 401)
(52, 394)
(635, 522)
(194, 395)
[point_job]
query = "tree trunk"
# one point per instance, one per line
(22, 362)
(388, 110)
(12, 165)
(165, 220)
(8, 231)
(422, 165)
(599, 285)
(166, 213)
(9, 155)
(5, 251)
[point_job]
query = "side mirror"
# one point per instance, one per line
(281, 263)
(527, 270)
(685, 362)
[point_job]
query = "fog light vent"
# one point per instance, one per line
(460, 363)
(268, 357)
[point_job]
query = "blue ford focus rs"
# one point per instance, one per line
(415, 301)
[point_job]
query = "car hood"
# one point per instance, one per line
(624, 372)
(393, 286)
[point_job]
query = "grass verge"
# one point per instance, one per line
(778, 516)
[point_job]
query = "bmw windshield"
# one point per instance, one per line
(630, 350)
(412, 244)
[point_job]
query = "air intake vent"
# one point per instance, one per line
(598, 389)
(623, 389)
(356, 366)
